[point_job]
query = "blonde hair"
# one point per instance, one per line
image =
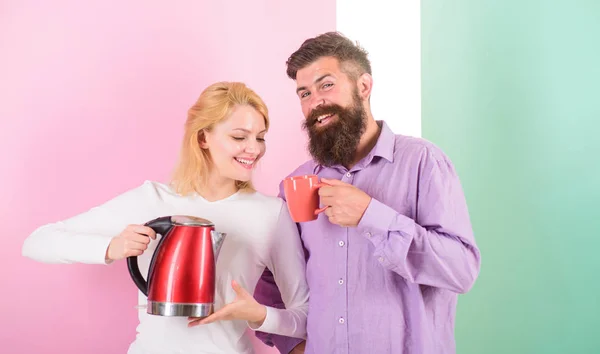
(215, 104)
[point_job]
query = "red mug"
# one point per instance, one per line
(302, 196)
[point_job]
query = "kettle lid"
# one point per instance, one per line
(190, 221)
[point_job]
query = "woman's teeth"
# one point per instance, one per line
(244, 161)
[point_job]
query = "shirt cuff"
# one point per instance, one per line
(270, 323)
(376, 223)
(270, 326)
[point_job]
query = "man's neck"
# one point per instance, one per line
(367, 141)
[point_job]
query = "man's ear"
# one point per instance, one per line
(365, 85)
(202, 139)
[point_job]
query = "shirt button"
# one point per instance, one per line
(341, 243)
(348, 174)
(381, 259)
(341, 281)
(342, 320)
(369, 234)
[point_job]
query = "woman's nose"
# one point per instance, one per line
(252, 146)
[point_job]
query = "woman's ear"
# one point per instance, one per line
(202, 139)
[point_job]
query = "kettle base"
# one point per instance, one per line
(179, 309)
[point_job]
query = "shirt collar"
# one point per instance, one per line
(384, 148)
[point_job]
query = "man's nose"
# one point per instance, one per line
(316, 102)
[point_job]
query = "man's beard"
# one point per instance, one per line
(336, 143)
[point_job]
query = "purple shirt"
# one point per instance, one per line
(390, 284)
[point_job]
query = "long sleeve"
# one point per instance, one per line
(84, 238)
(268, 294)
(287, 266)
(438, 248)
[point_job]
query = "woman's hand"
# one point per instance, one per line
(132, 241)
(244, 307)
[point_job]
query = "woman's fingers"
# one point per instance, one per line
(222, 314)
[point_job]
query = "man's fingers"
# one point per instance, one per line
(326, 191)
(329, 212)
(327, 201)
(332, 220)
(334, 182)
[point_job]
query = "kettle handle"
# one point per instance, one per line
(161, 226)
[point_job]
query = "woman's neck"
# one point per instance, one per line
(218, 188)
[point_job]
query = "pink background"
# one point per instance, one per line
(93, 100)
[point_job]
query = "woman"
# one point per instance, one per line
(224, 139)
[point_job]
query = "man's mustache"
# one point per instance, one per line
(323, 110)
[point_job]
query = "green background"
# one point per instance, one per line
(511, 91)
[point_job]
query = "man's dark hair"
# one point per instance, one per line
(330, 44)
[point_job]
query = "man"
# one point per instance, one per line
(395, 247)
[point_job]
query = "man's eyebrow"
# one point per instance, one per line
(321, 78)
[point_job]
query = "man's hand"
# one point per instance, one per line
(346, 203)
(299, 349)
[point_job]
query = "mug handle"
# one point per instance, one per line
(320, 210)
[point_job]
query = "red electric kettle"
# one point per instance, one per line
(181, 275)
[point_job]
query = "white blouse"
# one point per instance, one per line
(260, 233)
